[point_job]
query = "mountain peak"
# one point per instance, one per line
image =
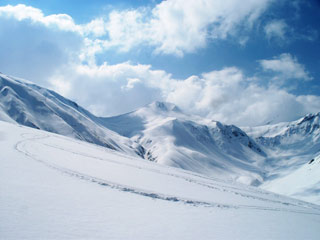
(164, 106)
(311, 118)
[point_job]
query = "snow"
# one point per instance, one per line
(33, 106)
(273, 157)
(55, 187)
(290, 147)
(170, 137)
(303, 183)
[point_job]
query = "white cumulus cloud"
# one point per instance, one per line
(287, 66)
(226, 95)
(229, 96)
(171, 27)
(182, 26)
(23, 12)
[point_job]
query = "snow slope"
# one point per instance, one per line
(293, 151)
(302, 183)
(54, 187)
(172, 138)
(33, 106)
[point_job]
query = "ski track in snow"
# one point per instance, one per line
(22, 147)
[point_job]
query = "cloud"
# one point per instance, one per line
(171, 27)
(185, 26)
(63, 22)
(276, 29)
(280, 32)
(226, 95)
(60, 54)
(229, 96)
(131, 83)
(287, 66)
(22, 12)
(111, 89)
(180, 26)
(126, 29)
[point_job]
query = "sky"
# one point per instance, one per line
(240, 62)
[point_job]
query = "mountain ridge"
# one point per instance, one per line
(160, 132)
(37, 107)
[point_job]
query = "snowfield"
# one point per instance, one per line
(55, 187)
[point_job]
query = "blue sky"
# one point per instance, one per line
(241, 62)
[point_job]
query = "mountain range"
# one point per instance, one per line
(283, 157)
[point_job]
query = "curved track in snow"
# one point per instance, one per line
(56, 155)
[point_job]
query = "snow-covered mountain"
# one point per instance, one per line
(275, 157)
(55, 187)
(170, 137)
(30, 105)
(159, 132)
(293, 149)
